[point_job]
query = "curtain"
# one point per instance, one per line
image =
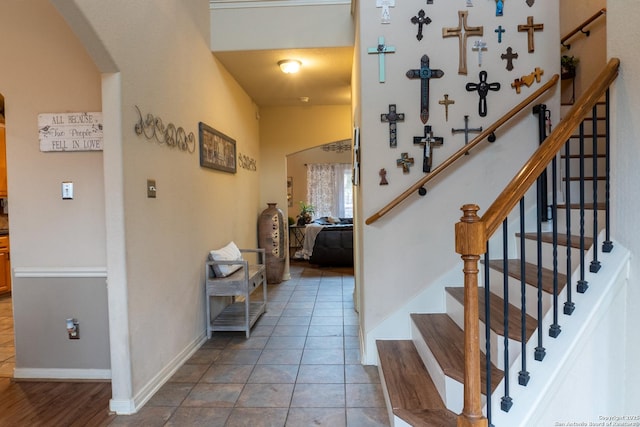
(325, 188)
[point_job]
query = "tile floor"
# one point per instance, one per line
(299, 368)
(7, 349)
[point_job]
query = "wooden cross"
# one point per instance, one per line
(424, 73)
(466, 130)
(392, 117)
(500, 31)
(499, 7)
(383, 177)
(405, 162)
(538, 72)
(517, 84)
(479, 46)
(483, 89)
(530, 28)
(428, 141)
(385, 5)
(462, 38)
(380, 50)
(509, 56)
(421, 20)
(446, 102)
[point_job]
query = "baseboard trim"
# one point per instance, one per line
(61, 374)
(46, 272)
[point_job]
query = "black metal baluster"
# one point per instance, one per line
(541, 111)
(594, 267)
(569, 306)
(506, 402)
(487, 330)
(582, 284)
(540, 350)
(523, 375)
(607, 245)
(554, 329)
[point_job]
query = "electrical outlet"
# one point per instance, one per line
(67, 190)
(151, 188)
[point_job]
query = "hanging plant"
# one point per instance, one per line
(568, 66)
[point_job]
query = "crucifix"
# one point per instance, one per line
(405, 162)
(421, 20)
(462, 38)
(500, 31)
(424, 73)
(499, 7)
(428, 141)
(446, 102)
(385, 5)
(466, 131)
(392, 117)
(479, 46)
(380, 50)
(483, 89)
(530, 28)
(509, 56)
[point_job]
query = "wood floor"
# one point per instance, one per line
(32, 404)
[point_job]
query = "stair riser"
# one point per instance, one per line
(574, 188)
(574, 144)
(515, 294)
(574, 166)
(575, 221)
(531, 255)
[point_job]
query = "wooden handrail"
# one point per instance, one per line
(464, 150)
(472, 234)
(538, 162)
(580, 27)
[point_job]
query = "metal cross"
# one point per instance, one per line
(530, 28)
(462, 38)
(383, 177)
(421, 20)
(466, 130)
(500, 31)
(479, 46)
(483, 89)
(509, 56)
(385, 5)
(392, 117)
(428, 141)
(424, 73)
(405, 161)
(531, 2)
(446, 102)
(499, 7)
(380, 50)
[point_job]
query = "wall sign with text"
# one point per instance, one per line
(70, 131)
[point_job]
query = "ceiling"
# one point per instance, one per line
(325, 76)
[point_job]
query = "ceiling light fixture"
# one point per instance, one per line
(289, 66)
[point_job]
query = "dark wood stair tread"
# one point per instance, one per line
(530, 274)
(587, 206)
(586, 178)
(547, 237)
(446, 342)
(497, 314)
(586, 156)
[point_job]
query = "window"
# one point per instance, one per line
(329, 189)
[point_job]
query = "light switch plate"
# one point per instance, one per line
(67, 190)
(151, 188)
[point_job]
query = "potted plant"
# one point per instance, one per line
(568, 66)
(306, 210)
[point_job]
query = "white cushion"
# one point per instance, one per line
(228, 253)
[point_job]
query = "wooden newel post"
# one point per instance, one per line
(470, 244)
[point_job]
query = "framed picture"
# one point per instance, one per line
(217, 150)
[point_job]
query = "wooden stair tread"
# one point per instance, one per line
(531, 274)
(408, 382)
(428, 417)
(587, 206)
(446, 342)
(586, 156)
(586, 178)
(496, 314)
(547, 237)
(588, 135)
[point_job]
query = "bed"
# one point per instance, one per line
(329, 242)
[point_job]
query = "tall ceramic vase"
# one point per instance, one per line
(271, 237)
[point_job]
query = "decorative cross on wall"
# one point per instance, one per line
(424, 73)
(380, 50)
(405, 162)
(383, 177)
(392, 117)
(499, 7)
(530, 28)
(421, 20)
(462, 32)
(509, 56)
(517, 84)
(500, 31)
(483, 89)
(386, 14)
(428, 141)
(531, 2)
(466, 130)
(479, 46)
(446, 102)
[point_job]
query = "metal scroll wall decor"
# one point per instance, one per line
(153, 128)
(246, 162)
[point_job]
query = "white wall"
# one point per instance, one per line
(623, 32)
(407, 250)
